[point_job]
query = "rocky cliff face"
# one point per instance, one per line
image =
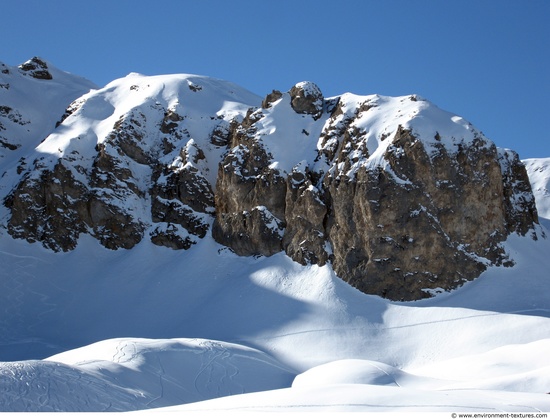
(399, 196)
(123, 165)
(397, 208)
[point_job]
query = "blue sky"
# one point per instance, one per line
(488, 61)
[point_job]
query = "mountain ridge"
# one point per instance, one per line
(370, 184)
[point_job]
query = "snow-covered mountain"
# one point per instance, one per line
(539, 175)
(172, 240)
(372, 185)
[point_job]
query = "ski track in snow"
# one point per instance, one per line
(15, 287)
(16, 326)
(390, 376)
(38, 391)
(161, 378)
(121, 354)
(379, 327)
(214, 369)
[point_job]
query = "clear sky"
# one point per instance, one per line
(488, 61)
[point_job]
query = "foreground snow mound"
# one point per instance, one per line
(363, 385)
(513, 368)
(359, 371)
(518, 368)
(130, 374)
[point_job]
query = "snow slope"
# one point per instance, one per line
(129, 374)
(199, 100)
(36, 106)
(204, 329)
(281, 315)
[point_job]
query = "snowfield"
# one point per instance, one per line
(205, 330)
(194, 332)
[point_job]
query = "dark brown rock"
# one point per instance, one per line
(36, 68)
(245, 183)
(306, 98)
(274, 96)
(305, 238)
(425, 224)
(169, 235)
(248, 233)
(181, 195)
(519, 203)
(42, 209)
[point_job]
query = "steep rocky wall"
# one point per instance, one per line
(423, 224)
(417, 221)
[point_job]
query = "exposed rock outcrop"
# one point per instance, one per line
(250, 196)
(305, 238)
(36, 68)
(444, 211)
(306, 98)
(49, 207)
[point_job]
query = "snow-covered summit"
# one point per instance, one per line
(33, 97)
(198, 100)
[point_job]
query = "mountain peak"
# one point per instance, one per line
(373, 185)
(306, 98)
(36, 68)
